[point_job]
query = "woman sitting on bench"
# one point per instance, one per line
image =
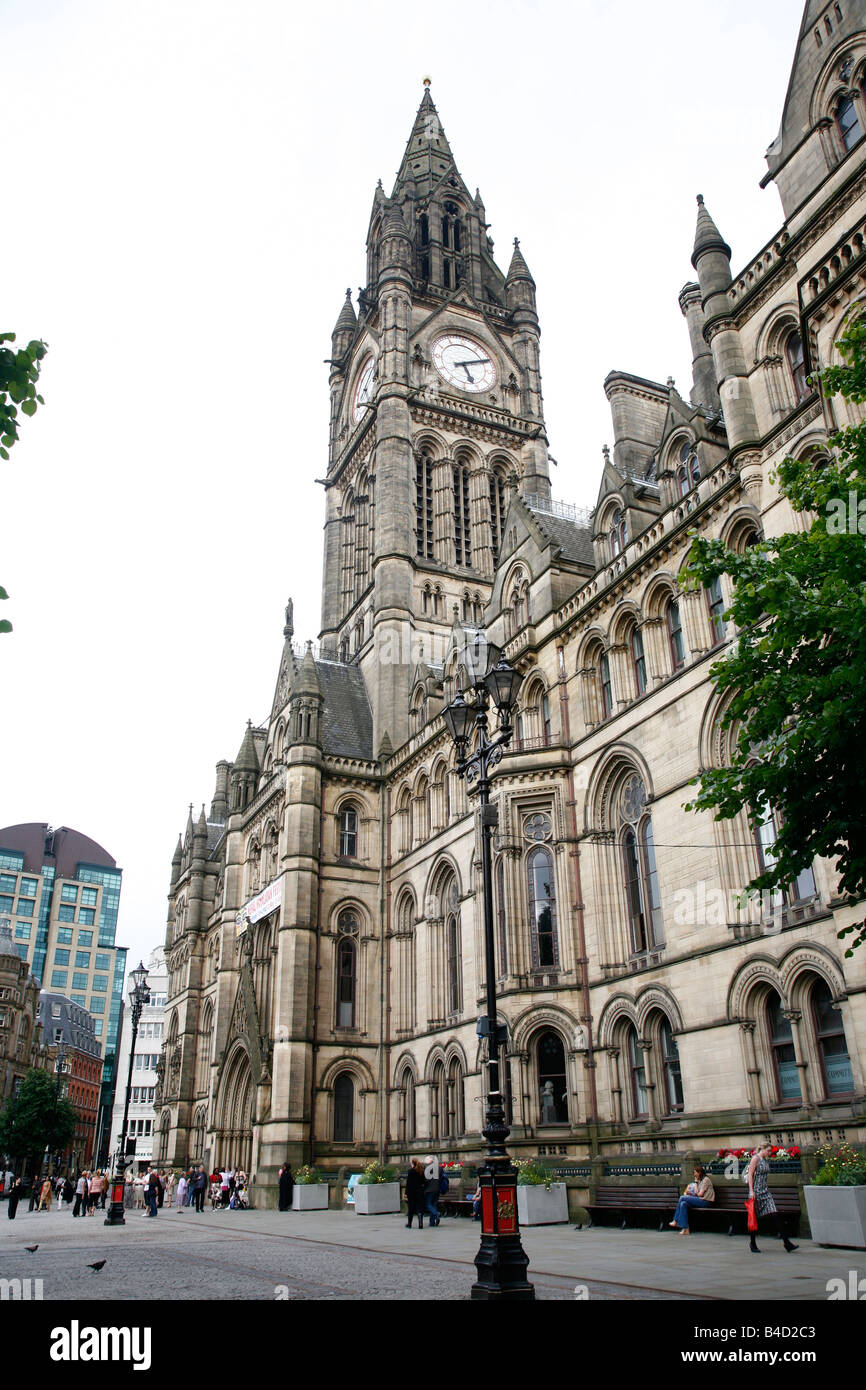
(699, 1193)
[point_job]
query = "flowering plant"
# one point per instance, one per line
(775, 1152)
(377, 1172)
(530, 1173)
(306, 1175)
(453, 1163)
(841, 1167)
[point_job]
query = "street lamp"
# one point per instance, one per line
(139, 995)
(61, 1064)
(501, 1261)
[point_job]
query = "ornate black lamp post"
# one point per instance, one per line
(61, 1064)
(139, 995)
(501, 1261)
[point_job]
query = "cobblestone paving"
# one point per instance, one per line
(180, 1256)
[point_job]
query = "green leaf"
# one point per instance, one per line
(5, 625)
(29, 407)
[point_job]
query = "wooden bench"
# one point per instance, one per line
(729, 1209)
(452, 1204)
(624, 1204)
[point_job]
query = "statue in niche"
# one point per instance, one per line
(548, 1104)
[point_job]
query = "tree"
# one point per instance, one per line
(19, 373)
(796, 677)
(36, 1119)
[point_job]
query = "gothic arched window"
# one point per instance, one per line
(618, 533)
(541, 892)
(781, 1038)
(348, 833)
(462, 521)
(498, 510)
(670, 1057)
(689, 471)
(643, 898)
(675, 634)
(348, 929)
(424, 506)
(796, 365)
(848, 122)
(715, 608)
(637, 1074)
(344, 1108)
(831, 1043)
(638, 659)
(552, 1079)
(454, 964)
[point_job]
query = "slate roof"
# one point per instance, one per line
(348, 720)
(574, 540)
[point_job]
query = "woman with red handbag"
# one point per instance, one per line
(760, 1203)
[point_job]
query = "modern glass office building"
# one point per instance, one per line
(61, 892)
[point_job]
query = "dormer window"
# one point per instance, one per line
(689, 471)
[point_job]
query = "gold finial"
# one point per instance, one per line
(426, 81)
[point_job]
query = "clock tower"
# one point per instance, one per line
(436, 411)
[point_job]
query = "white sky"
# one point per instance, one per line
(187, 191)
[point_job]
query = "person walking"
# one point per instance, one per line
(160, 1195)
(13, 1199)
(765, 1207)
(138, 1188)
(415, 1186)
(45, 1196)
(98, 1185)
(698, 1194)
(182, 1185)
(80, 1194)
(431, 1188)
(35, 1188)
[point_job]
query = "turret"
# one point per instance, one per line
(520, 299)
(245, 773)
(307, 703)
(343, 334)
(199, 838)
(711, 259)
(704, 390)
(219, 807)
(176, 861)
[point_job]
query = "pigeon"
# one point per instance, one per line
(96, 1265)
(31, 1249)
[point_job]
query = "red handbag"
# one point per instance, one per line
(751, 1218)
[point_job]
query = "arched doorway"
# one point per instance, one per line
(234, 1134)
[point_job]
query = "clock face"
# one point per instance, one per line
(363, 390)
(463, 363)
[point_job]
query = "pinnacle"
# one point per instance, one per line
(518, 270)
(707, 235)
(347, 318)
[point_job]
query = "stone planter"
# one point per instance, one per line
(376, 1198)
(542, 1206)
(309, 1196)
(837, 1215)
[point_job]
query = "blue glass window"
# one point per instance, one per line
(86, 916)
(64, 936)
(61, 957)
(97, 1005)
(79, 981)
(59, 978)
(22, 931)
(85, 938)
(82, 960)
(100, 982)
(66, 913)
(25, 907)
(27, 888)
(69, 893)
(89, 897)
(102, 961)
(5, 904)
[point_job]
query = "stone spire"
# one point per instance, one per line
(708, 237)
(519, 284)
(176, 860)
(427, 156)
(344, 330)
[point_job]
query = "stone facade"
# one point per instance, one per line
(324, 941)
